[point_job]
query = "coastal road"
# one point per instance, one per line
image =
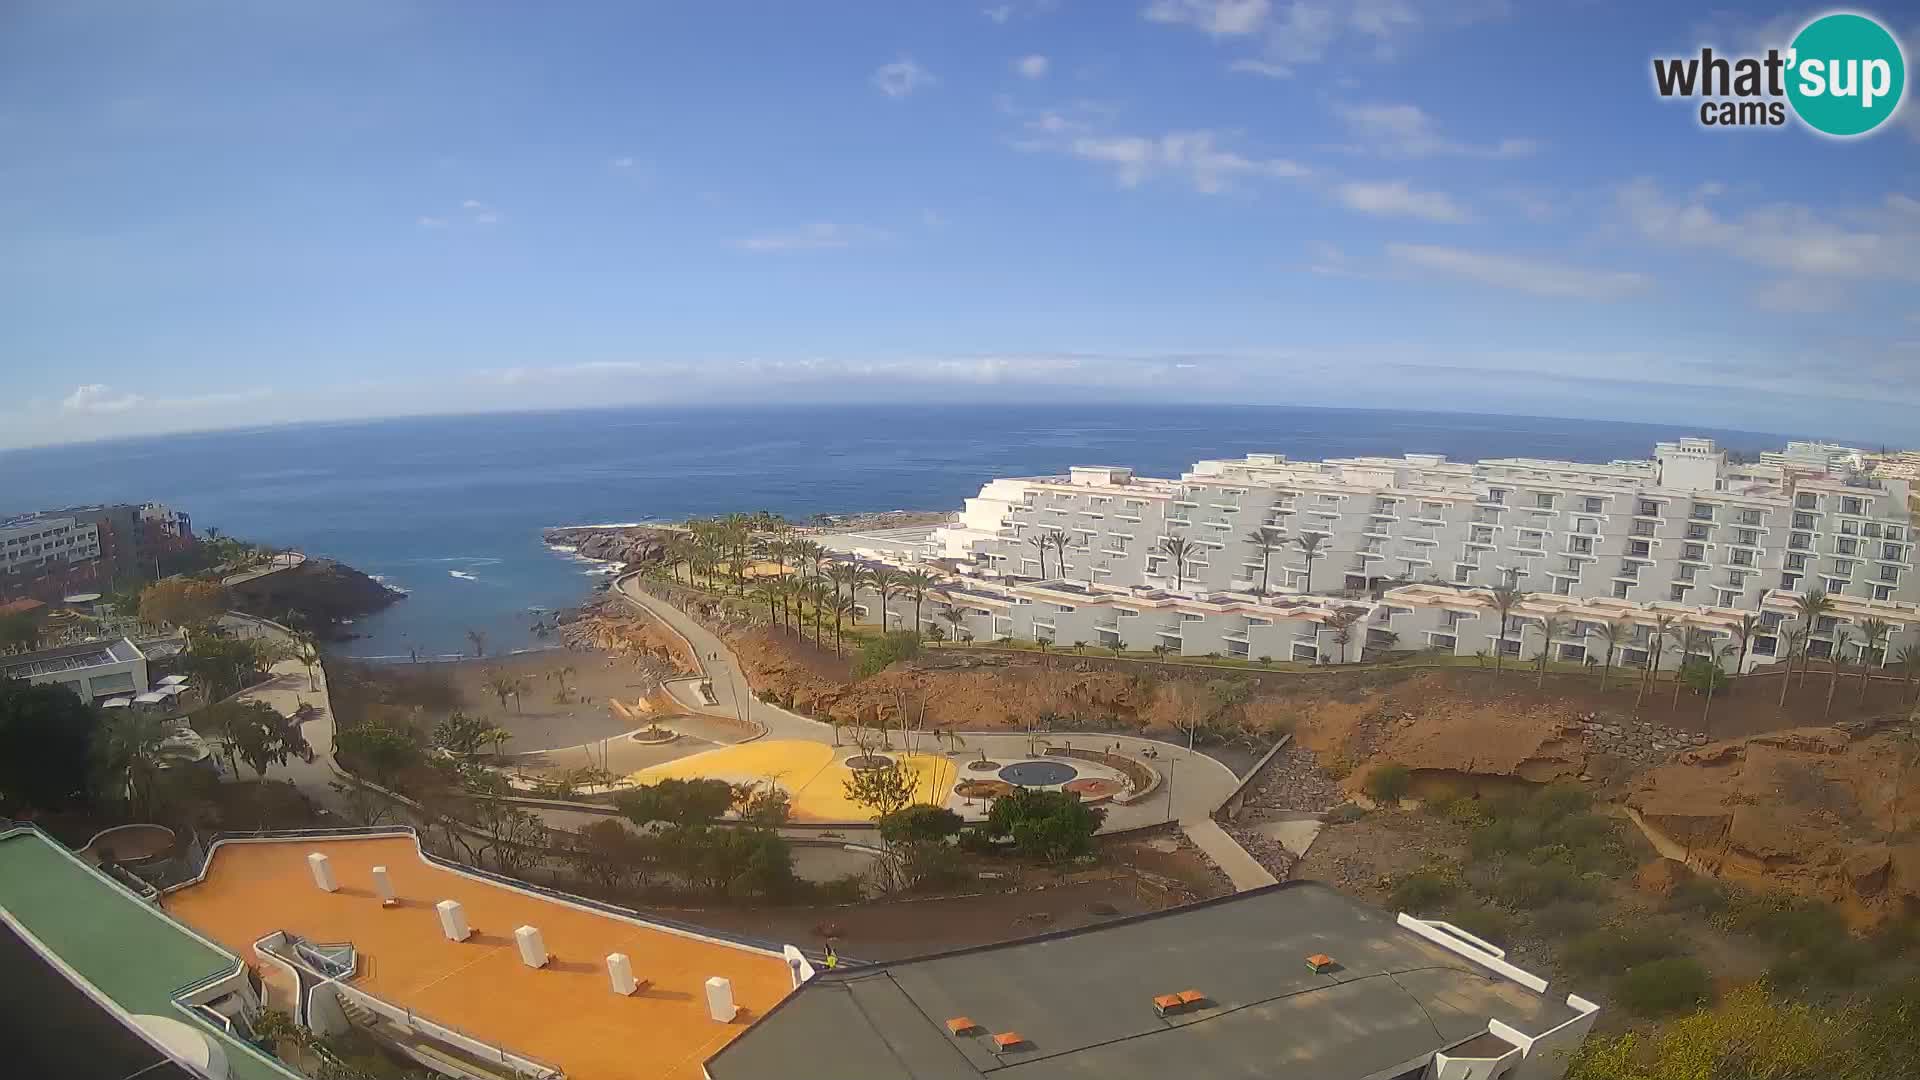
(1192, 784)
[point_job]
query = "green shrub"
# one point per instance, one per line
(1345, 814)
(1786, 921)
(1698, 674)
(1049, 825)
(887, 649)
(1663, 987)
(1466, 811)
(1612, 951)
(1488, 923)
(1422, 892)
(1529, 886)
(1388, 784)
(919, 824)
(847, 889)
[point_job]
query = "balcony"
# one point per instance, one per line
(1168, 632)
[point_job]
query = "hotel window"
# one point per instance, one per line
(1803, 521)
(1702, 512)
(1843, 567)
(1543, 500)
(1620, 590)
(1749, 517)
(1806, 500)
(1728, 598)
(1594, 504)
(1742, 558)
(1649, 508)
(1893, 532)
(1835, 584)
(1746, 536)
(1678, 593)
(1883, 592)
(1580, 545)
(1889, 573)
(1461, 573)
(1845, 546)
(1643, 528)
(1696, 532)
(1801, 541)
(1736, 579)
(1890, 551)
(1639, 548)
(1824, 624)
(1850, 528)
(1684, 573)
(1789, 581)
(1851, 505)
(1694, 552)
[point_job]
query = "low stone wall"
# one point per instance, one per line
(1142, 779)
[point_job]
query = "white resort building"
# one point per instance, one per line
(1409, 547)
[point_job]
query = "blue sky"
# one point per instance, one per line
(223, 214)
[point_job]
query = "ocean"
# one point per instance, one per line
(451, 508)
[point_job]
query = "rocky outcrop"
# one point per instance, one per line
(321, 593)
(633, 546)
(1814, 811)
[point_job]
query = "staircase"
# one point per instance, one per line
(357, 1014)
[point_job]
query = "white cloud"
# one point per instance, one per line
(473, 204)
(1286, 35)
(1802, 296)
(813, 237)
(623, 163)
(486, 217)
(430, 222)
(999, 13)
(1394, 198)
(1196, 156)
(1407, 131)
(1033, 66)
(1874, 242)
(901, 78)
(1517, 273)
(1221, 18)
(99, 398)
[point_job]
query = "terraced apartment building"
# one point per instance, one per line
(1686, 532)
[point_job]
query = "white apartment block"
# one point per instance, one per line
(1684, 532)
(29, 543)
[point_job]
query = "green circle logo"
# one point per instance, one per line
(1846, 74)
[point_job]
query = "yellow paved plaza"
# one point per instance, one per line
(811, 773)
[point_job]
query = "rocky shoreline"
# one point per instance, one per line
(322, 593)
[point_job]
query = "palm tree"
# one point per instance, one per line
(1656, 644)
(882, 580)
(1807, 610)
(1505, 598)
(1613, 634)
(820, 595)
(915, 583)
(956, 617)
(1907, 658)
(1873, 638)
(768, 593)
(1040, 542)
(843, 573)
(308, 653)
(1178, 549)
(1713, 680)
(1266, 544)
(1691, 640)
(1061, 540)
(479, 640)
(1551, 627)
(1744, 633)
(1796, 643)
(1309, 545)
(1840, 636)
(842, 609)
(130, 757)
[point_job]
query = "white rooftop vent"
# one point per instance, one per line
(322, 872)
(720, 1004)
(533, 950)
(453, 920)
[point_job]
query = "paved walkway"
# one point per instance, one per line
(1227, 854)
(286, 689)
(1192, 784)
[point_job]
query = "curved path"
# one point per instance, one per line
(1193, 784)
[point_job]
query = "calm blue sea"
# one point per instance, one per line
(451, 508)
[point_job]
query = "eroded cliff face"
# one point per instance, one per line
(635, 545)
(1816, 811)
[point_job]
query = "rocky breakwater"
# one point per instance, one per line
(320, 593)
(632, 546)
(1823, 812)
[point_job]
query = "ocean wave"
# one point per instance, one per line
(609, 525)
(564, 549)
(462, 575)
(470, 560)
(384, 580)
(600, 571)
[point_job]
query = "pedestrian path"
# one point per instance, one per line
(1227, 854)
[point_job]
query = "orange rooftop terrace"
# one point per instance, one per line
(564, 1014)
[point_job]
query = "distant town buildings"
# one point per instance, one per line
(51, 553)
(1404, 549)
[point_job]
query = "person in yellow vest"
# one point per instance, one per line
(833, 958)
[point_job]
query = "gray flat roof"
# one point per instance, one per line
(69, 658)
(1083, 1000)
